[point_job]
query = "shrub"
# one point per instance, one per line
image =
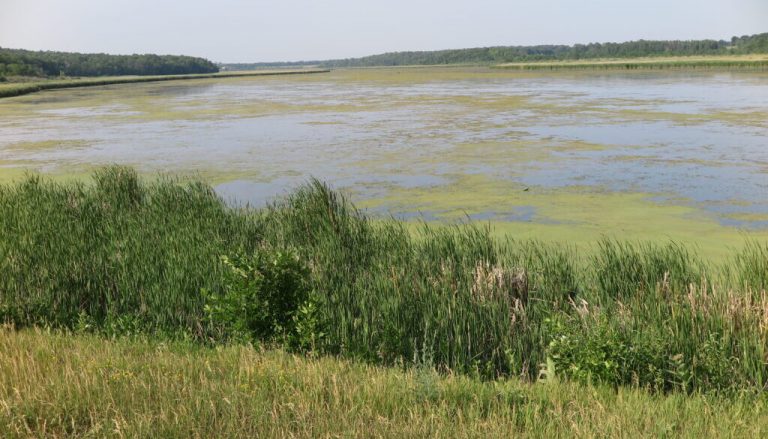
(266, 297)
(603, 351)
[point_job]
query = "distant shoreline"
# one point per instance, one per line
(734, 63)
(24, 88)
(745, 62)
(752, 62)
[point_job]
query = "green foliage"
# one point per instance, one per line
(449, 294)
(15, 62)
(723, 62)
(604, 351)
(750, 43)
(624, 269)
(750, 267)
(308, 326)
(266, 297)
(123, 256)
(506, 54)
(119, 247)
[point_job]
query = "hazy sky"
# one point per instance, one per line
(282, 30)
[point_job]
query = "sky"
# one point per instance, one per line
(292, 30)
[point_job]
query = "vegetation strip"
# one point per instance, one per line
(17, 62)
(743, 63)
(10, 90)
(312, 274)
(748, 44)
(59, 384)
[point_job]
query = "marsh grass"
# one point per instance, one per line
(123, 256)
(23, 88)
(749, 63)
(117, 253)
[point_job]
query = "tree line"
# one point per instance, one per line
(17, 62)
(504, 54)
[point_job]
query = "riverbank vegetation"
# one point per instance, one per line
(312, 274)
(27, 87)
(733, 62)
(748, 44)
(17, 62)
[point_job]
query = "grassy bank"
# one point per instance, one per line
(124, 256)
(744, 62)
(23, 88)
(62, 385)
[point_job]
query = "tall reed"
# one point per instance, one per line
(123, 255)
(116, 252)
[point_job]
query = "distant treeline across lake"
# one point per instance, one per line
(16, 62)
(748, 44)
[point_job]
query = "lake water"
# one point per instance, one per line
(619, 151)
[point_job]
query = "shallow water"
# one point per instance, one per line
(515, 147)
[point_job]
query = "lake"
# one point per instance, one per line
(569, 156)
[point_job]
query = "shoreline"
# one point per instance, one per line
(738, 63)
(20, 89)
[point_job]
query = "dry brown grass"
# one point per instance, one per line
(63, 385)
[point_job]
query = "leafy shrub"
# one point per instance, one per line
(710, 368)
(308, 325)
(603, 351)
(266, 297)
(600, 352)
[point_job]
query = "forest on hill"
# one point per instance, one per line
(17, 62)
(505, 54)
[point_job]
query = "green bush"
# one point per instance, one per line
(607, 352)
(266, 297)
(601, 352)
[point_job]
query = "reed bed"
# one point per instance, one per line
(117, 253)
(124, 256)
